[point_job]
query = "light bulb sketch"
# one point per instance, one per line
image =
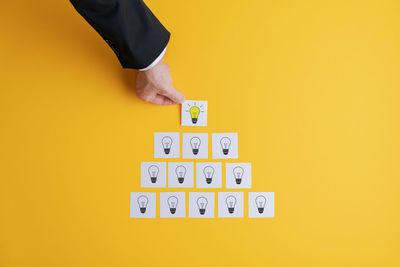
(166, 142)
(260, 203)
(142, 201)
(195, 144)
(202, 205)
(208, 173)
(153, 173)
(230, 203)
(194, 114)
(194, 111)
(172, 203)
(238, 174)
(180, 173)
(225, 145)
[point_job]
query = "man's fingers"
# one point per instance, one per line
(175, 95)
(155, 86)
(167, 101)
(155, 98)
(162, 100)
(147, 95)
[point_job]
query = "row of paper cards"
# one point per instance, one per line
(195, 145)
(202, 204)
(208, 174)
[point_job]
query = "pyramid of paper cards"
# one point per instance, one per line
(192, 174)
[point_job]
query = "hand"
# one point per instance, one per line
(155, 86)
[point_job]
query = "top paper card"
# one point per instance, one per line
(194, 113)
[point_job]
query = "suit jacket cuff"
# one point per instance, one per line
(155, 62)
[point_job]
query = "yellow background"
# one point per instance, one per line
(312, 88)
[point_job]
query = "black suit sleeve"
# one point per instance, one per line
(129, 27)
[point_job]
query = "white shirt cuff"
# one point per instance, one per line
(155, 61)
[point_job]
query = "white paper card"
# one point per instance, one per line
(225, 146)
(209, 175)
(261, 204)
(238, 175)
(153, 174)
(180, 174)
(201, 205)
(166, 145)
(172, 205)
(195, 145)
(143, 205)
(230, 204)
(194, 113)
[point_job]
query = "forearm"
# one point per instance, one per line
(129, 27)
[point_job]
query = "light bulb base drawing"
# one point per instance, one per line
(194, 120)
(202, 211)
(172, 210)
(153, 180)
(260, 210)
(238, 180)
(167, 150)
(231, 210)
(225, 151)
(208, 180)
(180, 180)
(195, 151)
(142, 210)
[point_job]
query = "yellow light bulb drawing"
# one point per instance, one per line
(194, 109)
(194, 113)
